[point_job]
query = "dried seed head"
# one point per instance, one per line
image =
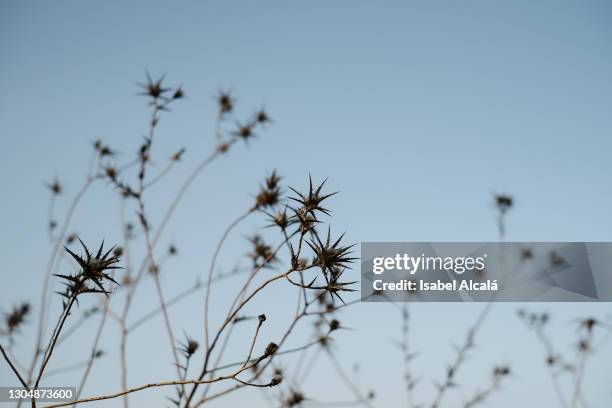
(225, 102)
(501, 371)
(262, 117)
(310, 203)
(504, 202)
(93, 272)
(271, 349)
(588, 324)
(276, 379)
(55, 187)
(16, 318)
(269, 193)
(331, 256)
(295, 398)
(223, 147)
(189, 347)
(262, 254)
(526, 253)
(153, 89)
(244, 131)
(280, 219)
(118, 251)
(334, 325)
(178, 93)
(324, 341)
(110, 172)
(178, 155)
(261, 318)
(105, 151)
(306, 220)
(172, 250)
(556, 259)
(153, 269)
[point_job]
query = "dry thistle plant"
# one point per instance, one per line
(558, 365)
(308, 260)
(568, 372)
(450, 379)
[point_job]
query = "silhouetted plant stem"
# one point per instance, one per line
(10, 363)
(232, 376)
(49, 270)
(347, 381)
(212, 268)
(460, 356)
(49, 350)
(94, 349)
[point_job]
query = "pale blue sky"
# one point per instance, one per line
(417, 111)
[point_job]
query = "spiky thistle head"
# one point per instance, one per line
(153, 89)
(16, 318)
(330, 256)
(269, 193)
(262, 254)
(93, 271)
(188, 347)
(244, 131)
(310, 203)
(280, 219)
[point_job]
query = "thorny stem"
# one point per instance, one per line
(123, 361)
(146, 229)
(260, 371)
(53, 341)
(278, 353)
(226, 322)
(405, 346)
(50, 267)
(94, 349)
(259, 323)
(347, 381)
(240, 296)
(212, 267)
(550, 352)
(10, 363)
(460, 357)
(130, 293)
(579, 377)
(482, 395)
(256, 270)
(158, 384)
